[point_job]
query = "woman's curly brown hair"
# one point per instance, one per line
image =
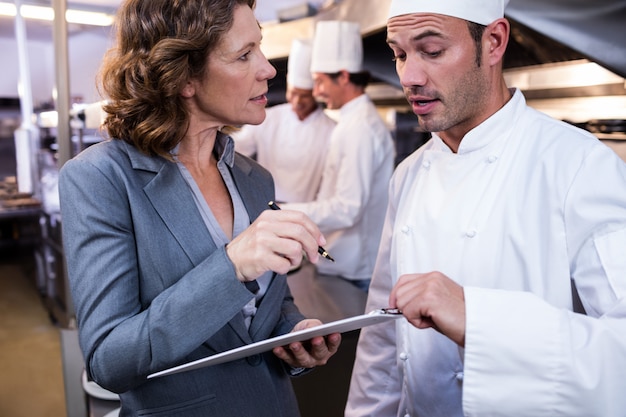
(160, 45)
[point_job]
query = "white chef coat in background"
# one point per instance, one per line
(527, 203)
(350, 206)
(292, 150)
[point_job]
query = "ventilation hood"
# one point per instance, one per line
(543, 32)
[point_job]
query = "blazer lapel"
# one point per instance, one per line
(178, 211)
(258, 327)
(238, 324)
(254, 197)
(180, 214)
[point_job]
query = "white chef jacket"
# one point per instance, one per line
(350, 206)
(292, 150)
(527, 203)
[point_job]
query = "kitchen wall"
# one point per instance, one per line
(85, 52)
(41, 57)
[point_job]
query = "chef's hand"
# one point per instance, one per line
(275, 241)
(431, 300)
(311, 353)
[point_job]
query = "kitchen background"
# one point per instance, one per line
(569, 58)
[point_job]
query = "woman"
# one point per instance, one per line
(164, 223)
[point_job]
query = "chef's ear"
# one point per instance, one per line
(496, 38)
(344, 77)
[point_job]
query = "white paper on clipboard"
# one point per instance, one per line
(339, 326)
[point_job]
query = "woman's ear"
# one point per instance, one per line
(188, 90)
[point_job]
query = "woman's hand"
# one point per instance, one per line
(275, 242)
(311, 353)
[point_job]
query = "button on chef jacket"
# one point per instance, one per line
(292, 150)
(525, 204)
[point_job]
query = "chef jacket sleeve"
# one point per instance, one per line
(376, 384)
(353, 181)
(556, 361)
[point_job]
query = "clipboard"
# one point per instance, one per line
(339, 326)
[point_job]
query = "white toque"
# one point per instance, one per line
(478, 11)
(299, 64)
(337, 46)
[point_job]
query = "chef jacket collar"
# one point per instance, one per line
(352, 104)
(496, 127)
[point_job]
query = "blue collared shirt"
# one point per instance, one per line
(225, 149)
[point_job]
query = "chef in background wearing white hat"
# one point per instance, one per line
(489, 224)
(350, 206)
(292, 142)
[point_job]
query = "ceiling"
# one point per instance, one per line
(543, 31)
(266, 10)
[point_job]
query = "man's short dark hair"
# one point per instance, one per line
(476, 32)
(362, 79)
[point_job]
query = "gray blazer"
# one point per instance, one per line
(152, 290)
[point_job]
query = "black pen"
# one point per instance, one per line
(320, 249)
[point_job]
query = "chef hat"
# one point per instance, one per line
(478, 11)
(299, 64)
(337, 46)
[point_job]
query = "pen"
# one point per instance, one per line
(320, 249)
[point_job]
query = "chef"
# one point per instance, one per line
(489, 227)
(350, 206)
